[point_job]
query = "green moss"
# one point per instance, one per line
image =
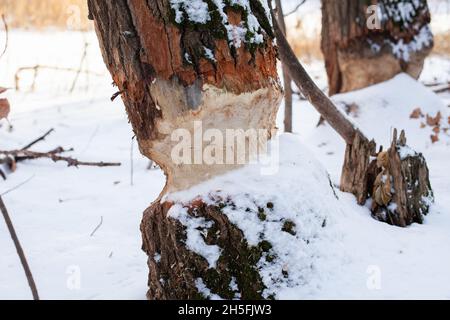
(289, 227)
(270, 257)
(265, 246)
(262, 216)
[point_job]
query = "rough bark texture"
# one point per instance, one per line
(174, 73)
(412, 195)
(399, 188)
(174, 269)
(358, 170)
(357, 57)
(167, 81)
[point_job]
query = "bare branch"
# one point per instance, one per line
(19, 250)
(28, 146)
(309, 89)
(54, 155)
(16, 187)
(295, 9)
(7, 36)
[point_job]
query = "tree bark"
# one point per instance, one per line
(172, 74)
(287, 81)
(176, 270)
(359, 54)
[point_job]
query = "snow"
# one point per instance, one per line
(353, 257)
(300, 193)
(196, 10)
(405, 152)
(195, 228)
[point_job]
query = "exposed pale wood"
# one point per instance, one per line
(358, 169)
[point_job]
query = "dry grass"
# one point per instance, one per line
(72, 15)
(442, 43)
(41, 14)
(306, 48)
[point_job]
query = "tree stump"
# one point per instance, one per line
(412, 192)
(397, 181)
(359, 171)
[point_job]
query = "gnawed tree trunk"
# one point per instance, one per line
(173, 71)
(397, 181)
(364, 46)
(180, 65)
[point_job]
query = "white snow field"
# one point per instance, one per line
(58, 208)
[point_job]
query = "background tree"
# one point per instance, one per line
(175, 63)
(286, 77)
(364, 45)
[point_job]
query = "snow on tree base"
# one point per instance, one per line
(245, 235)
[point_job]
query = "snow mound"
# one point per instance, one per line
(291, 212)
(381, 108)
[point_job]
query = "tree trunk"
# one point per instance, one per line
(182, 66)
(362, 47)
(172, 74)
(287, 81)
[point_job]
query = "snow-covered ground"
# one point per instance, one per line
(58, 208)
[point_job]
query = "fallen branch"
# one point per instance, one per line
(19, 250)
(441, 90)
(17, 187)
(36, 69)
(310, 90)
(54, 155)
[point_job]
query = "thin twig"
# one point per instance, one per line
(17, 187)
(295, 9)
(19, 250)
(53, 155)
(98, 227)
(83, 57)
(132, 162)
(28, 146)
(7, 36)
(37, 67)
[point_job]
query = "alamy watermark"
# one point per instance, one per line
(374, 15)
(226, 147)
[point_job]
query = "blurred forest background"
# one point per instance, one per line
(303, 35)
